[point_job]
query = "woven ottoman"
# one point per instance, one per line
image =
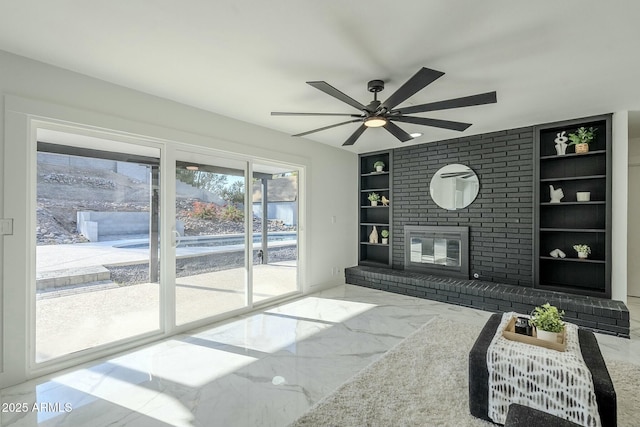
(479, 374)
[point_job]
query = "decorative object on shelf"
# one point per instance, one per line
(561, 143)
(556, 195)
(373, 237)
(583, 196)
(522, 326)
(581, 138)
(379, 165)
(547, 320)
(385, 237)
(557, 253)
(385, 201)
(373, 198)
(583, 251)
(454, 186)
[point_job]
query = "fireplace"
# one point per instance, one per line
(437, 250)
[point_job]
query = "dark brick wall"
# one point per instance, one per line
(500, 220)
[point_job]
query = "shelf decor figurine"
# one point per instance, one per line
(583, 251)
(581, 138)
(561, 143)
(557, 253)
(385, 201)
(379, 165)
(555, 195)
(385, 237)
(373, 237)
(373, 198)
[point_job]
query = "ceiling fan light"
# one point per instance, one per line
(375, 122)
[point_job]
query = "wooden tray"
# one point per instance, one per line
(509, 333)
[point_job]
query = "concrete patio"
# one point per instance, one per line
(82, 308)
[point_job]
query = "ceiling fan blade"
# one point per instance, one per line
(332, 91)
(354, 136)
(419, 81)
(463, 174)
(326, 127)
(396, 131)
(437, 123)
(285, 113)
(465, 101)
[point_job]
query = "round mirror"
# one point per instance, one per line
(454, 187)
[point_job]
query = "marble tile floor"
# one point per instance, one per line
(262, 369)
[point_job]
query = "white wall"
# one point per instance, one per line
(619, 184)
(331, 174)
(633, 246)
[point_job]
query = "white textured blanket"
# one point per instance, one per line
(552, 381)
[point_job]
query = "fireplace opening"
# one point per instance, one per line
(437, 250)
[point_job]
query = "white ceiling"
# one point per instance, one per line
(547, 59)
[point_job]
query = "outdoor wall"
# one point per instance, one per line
(286, 212)
(329, 235)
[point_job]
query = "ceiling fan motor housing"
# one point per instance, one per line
(375, 86)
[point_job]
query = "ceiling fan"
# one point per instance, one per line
(383, 114)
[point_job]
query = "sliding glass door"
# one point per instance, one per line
(104, 277)
(275, 228)
(210, 237)
(97, 246)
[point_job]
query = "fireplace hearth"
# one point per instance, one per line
(437, 250)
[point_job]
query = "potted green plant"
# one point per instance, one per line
(583, 251)
(373, 198)
(547, 320)
(581, 138)
(379, 165)
(385, 237)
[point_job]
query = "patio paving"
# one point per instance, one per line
(82, 309)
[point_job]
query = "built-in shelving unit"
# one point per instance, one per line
(374, 254)
(570, 222)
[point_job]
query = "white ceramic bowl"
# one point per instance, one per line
(583, 196)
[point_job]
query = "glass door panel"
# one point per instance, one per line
(211, 272)
(97, 270)
(275, 215)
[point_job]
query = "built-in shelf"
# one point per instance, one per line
(374, 254)
(569, 223)
(569, 155)
(575, 230)
(370, 190)
(588, 260)
(593, 202)
(375, 173)
(573, 178)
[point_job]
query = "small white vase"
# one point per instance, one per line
(546, 335)
(385, 240)
(374, 203)
(379, 168)
(582, 255)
